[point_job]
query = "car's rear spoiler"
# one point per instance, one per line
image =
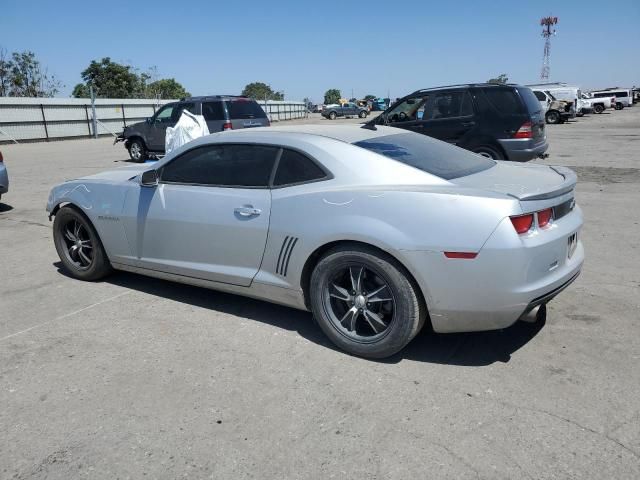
(570, 180)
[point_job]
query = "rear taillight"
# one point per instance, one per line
(544, 217)
(227, 126)
(522, 223)
(525, 131)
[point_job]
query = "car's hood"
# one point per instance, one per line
(117, 174)
(522, 181)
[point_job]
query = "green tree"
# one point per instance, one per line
(80, 91)
(499, 80)
(261, 91)
(23, 75)
(166, 88)
(112, 80)
(332, 95)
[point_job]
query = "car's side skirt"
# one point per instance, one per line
(261, 291)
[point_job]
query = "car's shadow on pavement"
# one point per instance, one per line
(468, 349)
(5, 208)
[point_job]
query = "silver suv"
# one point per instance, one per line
(222, 112)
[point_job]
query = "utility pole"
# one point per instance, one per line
(94, 121)
(547, 31)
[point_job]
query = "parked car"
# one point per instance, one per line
(4, 177)
(598, 105)
(222, 112)
(318, 108)
(624, 96)
(344, 110)
(555, 111)
(503, 122)
(373, 229)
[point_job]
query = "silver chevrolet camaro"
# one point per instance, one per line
(373, 229)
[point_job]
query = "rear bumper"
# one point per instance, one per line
(523, 149)
(510, 276)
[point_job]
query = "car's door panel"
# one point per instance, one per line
(206, 232)
(209, 215)
(449, 116)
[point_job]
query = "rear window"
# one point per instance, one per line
(530, 100)
(505, 100)
(427, 154)
(244, 109)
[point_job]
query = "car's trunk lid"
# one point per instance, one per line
(524, 182)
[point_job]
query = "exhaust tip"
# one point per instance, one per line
(536, 314)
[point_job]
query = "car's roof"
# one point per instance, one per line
(217, 97)
(344, 133)
(468, 85)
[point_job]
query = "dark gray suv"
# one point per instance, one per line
(222, 112)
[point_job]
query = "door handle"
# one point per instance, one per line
(468, 124)
(248, 211)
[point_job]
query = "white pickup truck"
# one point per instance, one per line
(596, 105)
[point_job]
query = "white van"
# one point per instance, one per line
(624, 97)
(568, 93)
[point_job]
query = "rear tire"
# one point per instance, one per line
(553, 117)
(365, 301)
(598, 108)
(362, 114)
(79, 246)
(137, 150)
(489, 152)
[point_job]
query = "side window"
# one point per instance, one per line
(213, 111)
(178, 109)
(540, 96)
(466, 108)
(504, 100)
(296, 168)
(449, 105)
(223, 165)
(407, 110)
(164, 115)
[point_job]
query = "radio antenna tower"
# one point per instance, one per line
(547, 31)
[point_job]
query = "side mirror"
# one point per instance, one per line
(149, 120)
(149, 178)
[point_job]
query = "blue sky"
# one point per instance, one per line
(304, 48)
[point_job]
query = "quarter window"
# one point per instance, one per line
(540, 96)
(296, 168)
(212, 111)
(223, 165)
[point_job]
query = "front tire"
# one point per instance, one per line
(332, 115)
(137, 150)
(362, 114)
(365, 302)
(619, 106)
(79, 246)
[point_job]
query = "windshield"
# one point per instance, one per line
(427, 154)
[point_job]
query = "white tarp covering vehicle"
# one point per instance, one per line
(189, 127)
